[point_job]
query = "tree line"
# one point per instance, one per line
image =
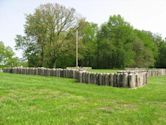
(7, 57)
(49, 41)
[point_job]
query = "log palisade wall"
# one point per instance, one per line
(125, 78)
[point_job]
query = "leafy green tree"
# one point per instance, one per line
(120, 45)
(50, 41)
(161, 59)
(114, 38)
(7, 56)
(47, 30)
(87, 43)
(145, 48)
(31, 50)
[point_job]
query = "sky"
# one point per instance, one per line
(148, 15)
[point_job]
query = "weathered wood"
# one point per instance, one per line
(128, 78)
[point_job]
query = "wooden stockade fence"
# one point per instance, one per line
(125, 78)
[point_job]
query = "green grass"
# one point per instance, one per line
(37, 100)
(104, 70)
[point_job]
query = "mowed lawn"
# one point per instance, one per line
(104, 70)
(39, 100)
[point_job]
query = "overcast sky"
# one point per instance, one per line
(142, 14)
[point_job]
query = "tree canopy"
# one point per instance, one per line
(7, 56)
(46, 32)
(49, 41)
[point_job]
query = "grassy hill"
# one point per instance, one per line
(37, 100)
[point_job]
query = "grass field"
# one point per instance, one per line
(104, 70)
(37, 100)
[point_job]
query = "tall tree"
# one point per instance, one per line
(145, 48)
(7, 56)
(114, 38)
(161, 60)
(87, 43)
(47, 29)
(161, 57)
